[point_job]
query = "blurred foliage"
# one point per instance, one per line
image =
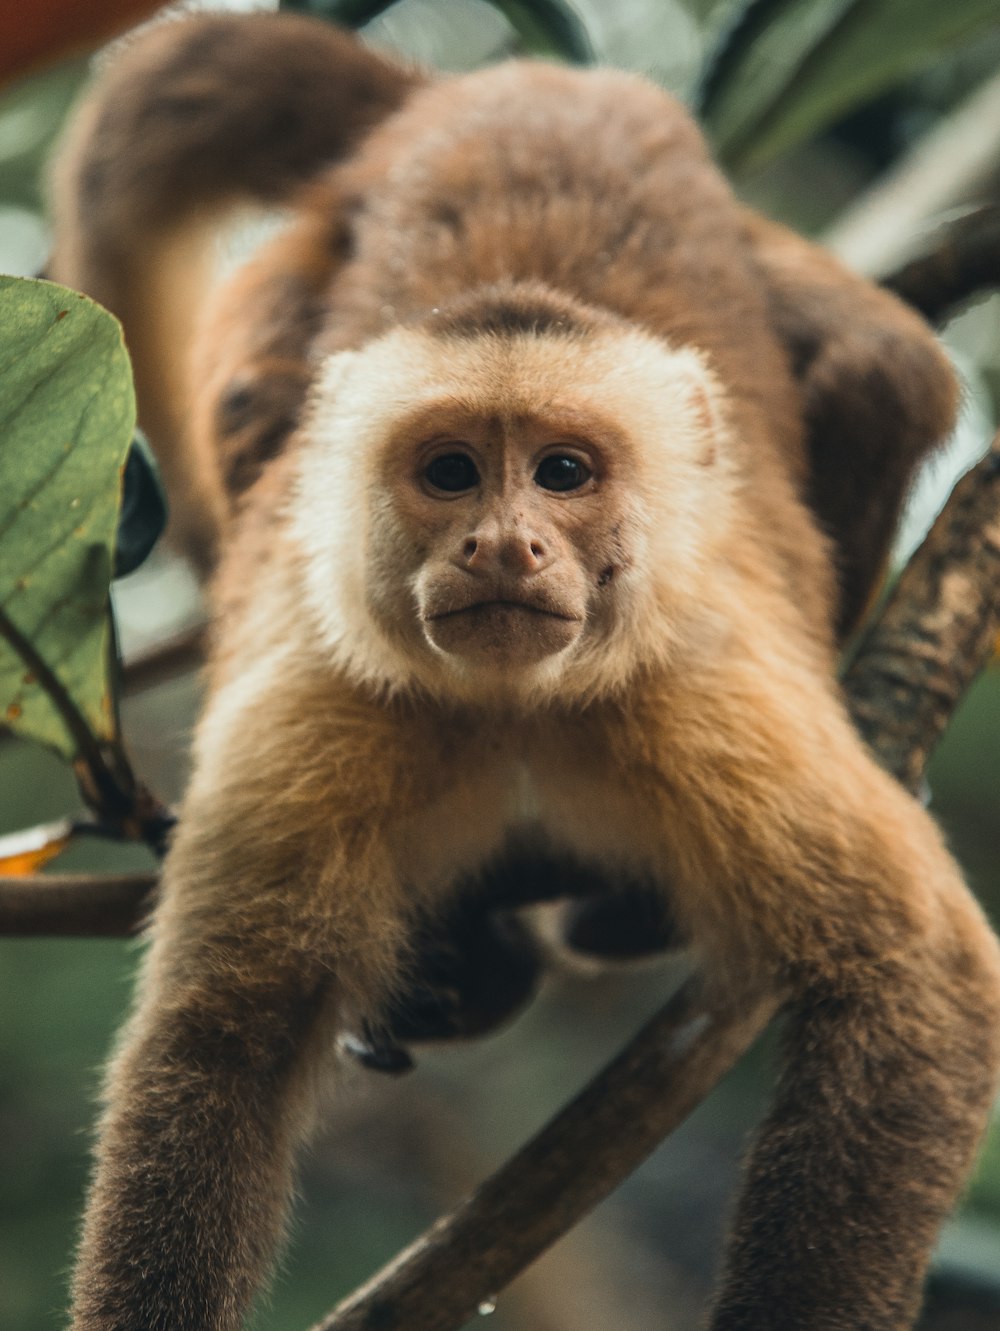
(546, 27)
(829, 92)
(31, 115)
(791, 68)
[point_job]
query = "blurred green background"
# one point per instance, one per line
(864, 122)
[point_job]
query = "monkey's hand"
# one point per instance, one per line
(471, 973)
(482, 964)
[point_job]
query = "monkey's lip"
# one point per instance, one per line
(502, 603)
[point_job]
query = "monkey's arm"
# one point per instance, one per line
(207, 1102)
(878, 395)
(812, 863)
(277, 918)
(192, 119)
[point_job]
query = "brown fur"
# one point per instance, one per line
(517, 264)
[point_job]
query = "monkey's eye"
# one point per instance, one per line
(561, 471)
(452, 472)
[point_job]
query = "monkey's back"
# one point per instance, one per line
(595, 182)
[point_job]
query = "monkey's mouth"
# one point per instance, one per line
(501, 631)
(502, 606)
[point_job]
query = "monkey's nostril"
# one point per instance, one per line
(536, 549)
(470, 547)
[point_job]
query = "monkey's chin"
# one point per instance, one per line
(502, 635)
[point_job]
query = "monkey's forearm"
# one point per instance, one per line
(195, 1163)
(881, 1105)
(831, 876)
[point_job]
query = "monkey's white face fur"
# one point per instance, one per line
(509, 516)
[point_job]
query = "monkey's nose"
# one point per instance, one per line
(515, 552)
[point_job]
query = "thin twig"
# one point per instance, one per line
(76, 905)
(87, 745)
(962, 262)
(102, 768)
(165, 660)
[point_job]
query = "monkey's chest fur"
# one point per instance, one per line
(511, 842)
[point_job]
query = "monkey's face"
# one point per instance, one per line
(511, 526)
(514, 516)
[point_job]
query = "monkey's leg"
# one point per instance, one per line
(816, 867)
(878, 394)
(253, 347)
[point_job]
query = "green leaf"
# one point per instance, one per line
(548, 27)
(795, 66)
(757, 53)
(67, 413)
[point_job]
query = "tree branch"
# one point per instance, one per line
(439, 1282)
(963, 262)
(936, 631)
(75, 905)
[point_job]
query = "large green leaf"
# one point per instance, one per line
(797, 65)
(67, 413)
(758, 53)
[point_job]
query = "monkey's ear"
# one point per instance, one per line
(877, 395)
(692, 394)
(707, 403)
(333, 375)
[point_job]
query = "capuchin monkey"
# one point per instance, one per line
(535, 481)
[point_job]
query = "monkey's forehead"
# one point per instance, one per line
(621, 381)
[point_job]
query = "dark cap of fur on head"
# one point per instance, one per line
(510, 309)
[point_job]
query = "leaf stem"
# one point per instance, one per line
(88, 747)
(103, 771)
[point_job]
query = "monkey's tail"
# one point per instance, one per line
(191, 120)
